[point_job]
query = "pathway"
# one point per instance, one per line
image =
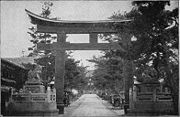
(90, 105)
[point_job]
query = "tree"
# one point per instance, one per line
(41, 37)
(108, 74)
(44, 58)
(156, 41)
(75, 75)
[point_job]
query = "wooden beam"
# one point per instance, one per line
(79, 46)
(88, 46)
(43, 46)
(61, 37)
(75, 29)
(93, 38)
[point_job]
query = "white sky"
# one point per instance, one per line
(15, 22)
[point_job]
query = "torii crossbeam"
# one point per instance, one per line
(63, 27)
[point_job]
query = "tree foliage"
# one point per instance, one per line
(156, 35)
(108, 74)
(155, 48)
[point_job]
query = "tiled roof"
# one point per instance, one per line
(18, 61)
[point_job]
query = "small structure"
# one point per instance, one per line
(33, 100)
(150, 98)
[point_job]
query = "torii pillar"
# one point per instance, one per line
(60, 71)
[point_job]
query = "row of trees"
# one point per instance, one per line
(151, 44)
(74, 74)
(108, 74)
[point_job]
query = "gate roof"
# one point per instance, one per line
(74, 26)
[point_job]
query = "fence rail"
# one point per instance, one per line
(37, 97)
(149, 96)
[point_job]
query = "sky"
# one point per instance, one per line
(15, 23)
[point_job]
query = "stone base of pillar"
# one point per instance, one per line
(60, 107)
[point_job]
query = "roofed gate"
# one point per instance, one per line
(63, 27)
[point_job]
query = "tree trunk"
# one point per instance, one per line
(128, 79)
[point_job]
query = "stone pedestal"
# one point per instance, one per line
(33, 100)
(146, 99)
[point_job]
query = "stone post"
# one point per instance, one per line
(128, 81)
(154, 94)
(59, 72)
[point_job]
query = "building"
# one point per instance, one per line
(13, 76)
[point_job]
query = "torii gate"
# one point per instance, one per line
(63, 27)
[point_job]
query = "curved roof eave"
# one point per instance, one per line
(37, 17)
(13, 63)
